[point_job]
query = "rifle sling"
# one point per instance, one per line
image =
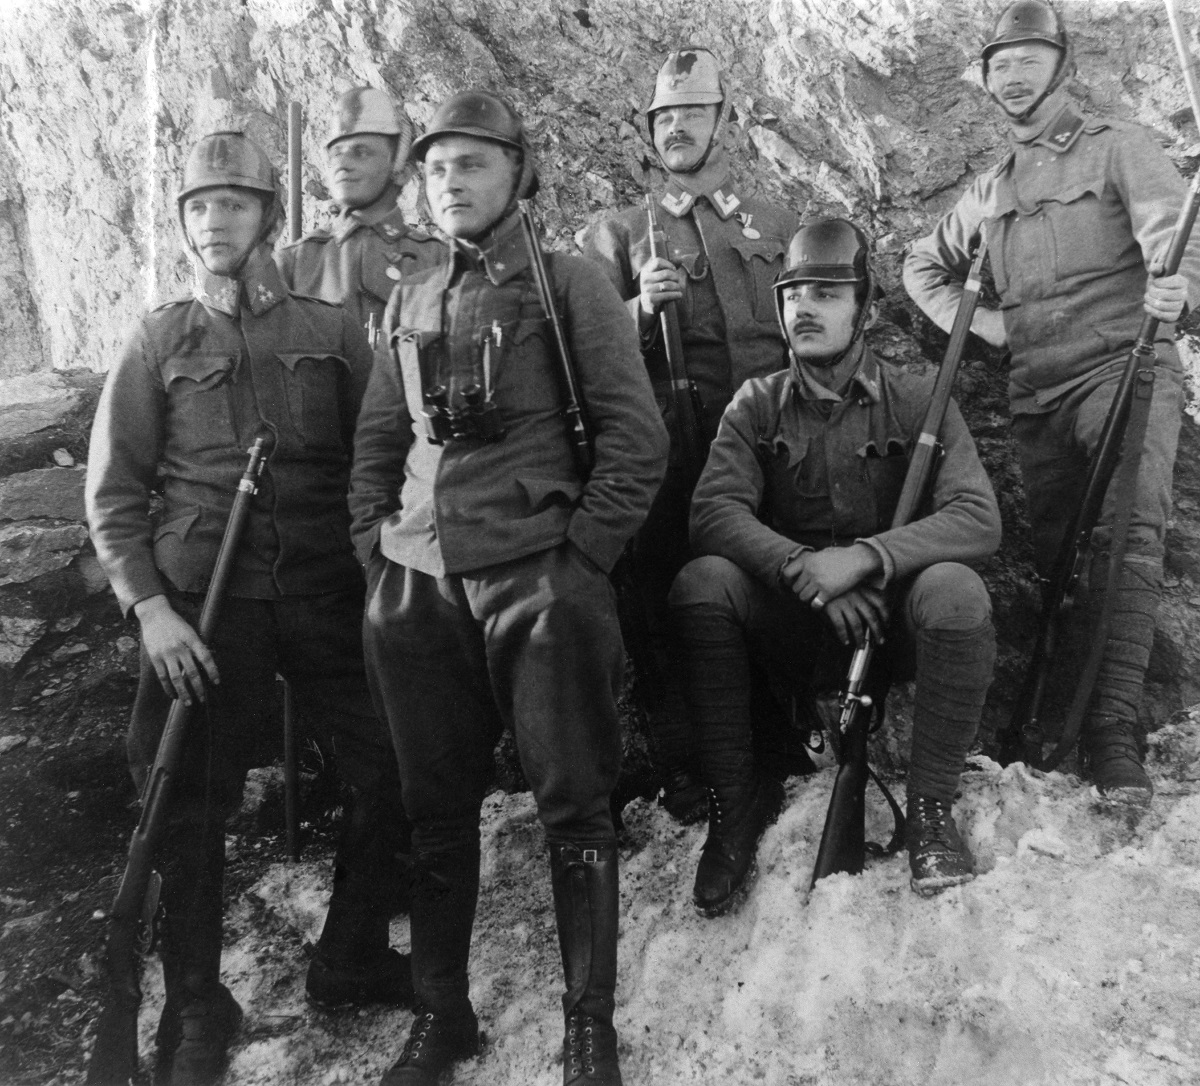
(899, 823)
(1125, 490)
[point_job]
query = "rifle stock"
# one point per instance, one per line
(683, 407)
(843, 845)
(114, 1059)
(1023, 739)
(578, 430)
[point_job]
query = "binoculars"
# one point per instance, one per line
(475, 418)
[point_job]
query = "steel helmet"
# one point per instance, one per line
(231, 159)
(227, 158)
(365, 111)
(690, 76)
(1031, 21)
(829, 251)
(485, 116)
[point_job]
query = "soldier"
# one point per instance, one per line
(370, 247)
(200, 378)
(726, 249)
(1077, 213)
(488, 601)
(792, 519)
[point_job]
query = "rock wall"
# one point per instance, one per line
(870, 108)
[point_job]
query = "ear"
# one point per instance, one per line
(872, 316)
(733, 136)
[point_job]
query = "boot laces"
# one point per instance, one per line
(933, 818)
(579, 1043)
(416, 1039)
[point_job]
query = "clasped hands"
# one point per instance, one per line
(834, 582)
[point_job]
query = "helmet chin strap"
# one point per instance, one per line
(1056, 81)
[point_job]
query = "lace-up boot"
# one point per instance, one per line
(737, 816)
(1114, 762)
(937, 854)
(435, 1043)
(208, 1020)
(584, 879)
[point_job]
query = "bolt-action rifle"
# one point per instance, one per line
(1120, 443)
(578, 430)
(682, 391)
(114, 1059)
(843, 841)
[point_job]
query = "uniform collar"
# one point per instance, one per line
(258, 287)
(863, 384)
(1059, 133)
(679, 201)
(502, 256)
(378, 216)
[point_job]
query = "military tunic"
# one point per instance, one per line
(359, 262)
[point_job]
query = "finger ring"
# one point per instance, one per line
(817, 602)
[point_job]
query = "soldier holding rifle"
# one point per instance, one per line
(1078, 215)
(199, 380)
(724, 250)
(798, 562)
(488, 533)
(370, 246)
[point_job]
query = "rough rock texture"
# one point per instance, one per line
(870, 108)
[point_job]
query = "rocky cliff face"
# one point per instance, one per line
(868, 108)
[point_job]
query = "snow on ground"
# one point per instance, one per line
(1074, 957)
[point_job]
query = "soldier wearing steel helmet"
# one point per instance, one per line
(791, 521)
(199, 379)
(726, 247)
(369, 246)
(1078, 217)
(487, 555)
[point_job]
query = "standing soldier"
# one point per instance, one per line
(488, 550)
(370, 247)
(792, 521)
(725, 250)
(1076, 214)
(199, 379)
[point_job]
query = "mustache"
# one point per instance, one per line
(807, 326)
(676, 141)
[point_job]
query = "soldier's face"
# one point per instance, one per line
(359, 169)
(223, 226)
(820, 319)
(682, 134)
(1019, 74)
(468, 183)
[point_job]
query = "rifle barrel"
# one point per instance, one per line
(295, 208)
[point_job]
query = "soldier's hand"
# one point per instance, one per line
(856, 612)
(988, 325)
(181, 660)
(819, 577)
(659, 282)
(1166, 295)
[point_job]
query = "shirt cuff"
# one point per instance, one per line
(791, 556)
(881, 580)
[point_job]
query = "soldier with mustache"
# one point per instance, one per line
(726, 247)
(1078, 217)
(798, 559)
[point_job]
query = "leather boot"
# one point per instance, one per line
(584, 879)
(442, 913)
(199, 1016)
(354, 964)
(937, 855)
(738, 813)
(1114, 762)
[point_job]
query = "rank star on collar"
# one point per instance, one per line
(263, 295)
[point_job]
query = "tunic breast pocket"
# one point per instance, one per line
(795, 490)
(314, 397)
(198, 398)
(885, 469)
(761, 260)
(1089, 232)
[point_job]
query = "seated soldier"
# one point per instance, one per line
(791, 519)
